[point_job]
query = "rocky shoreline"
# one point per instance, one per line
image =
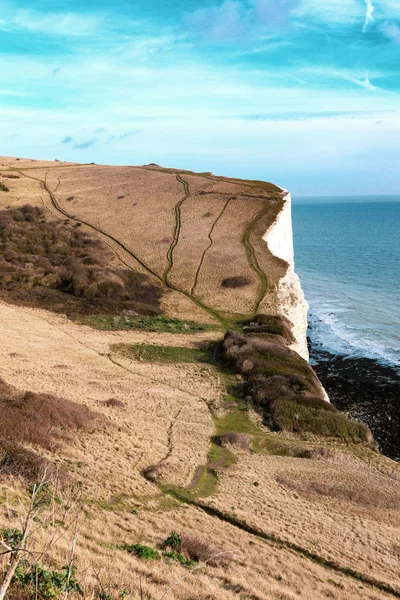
(365, 390)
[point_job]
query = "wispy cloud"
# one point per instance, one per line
(67, 140)
(369, 14)
(51, 23)
(235, 20)
(85, 144)
(333, 12)
(123, 136)
(364, 83)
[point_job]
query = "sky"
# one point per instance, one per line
(304, 93)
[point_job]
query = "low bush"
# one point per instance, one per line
(237, 440)
(144, 552)
(40, 420)
(44, 583)
(19, 461)
(173, 541)
(281, 385)
(56, 266)
(200, 550)
(3, 188)
(176, 556)
(114, 403)
(272, 324)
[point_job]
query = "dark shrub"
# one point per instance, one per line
(38, 420)
(237, 440)
(273, 324)
(114, 403)
(282, 386)
(18, 461)
(56, 266)
(200, 550)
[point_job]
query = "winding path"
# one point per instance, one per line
(177, 229)
(192, 291)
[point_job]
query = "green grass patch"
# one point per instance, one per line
(263, 442)
(165, 354)
(237, 421)
(158, 324)
(141, 551)
(220, 457)
(205, 487)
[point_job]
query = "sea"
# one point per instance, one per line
(347, 252)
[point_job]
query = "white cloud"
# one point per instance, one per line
(331, 11)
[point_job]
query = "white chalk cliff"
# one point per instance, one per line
(290, 296)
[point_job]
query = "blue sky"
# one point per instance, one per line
(305, 93)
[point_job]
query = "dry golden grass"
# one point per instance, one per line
(187, 230)
(341, 503)
(339, 507)
(318, 503)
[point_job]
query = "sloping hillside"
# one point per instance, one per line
(197, 234)
(149, 428)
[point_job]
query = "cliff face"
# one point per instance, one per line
(290, 296)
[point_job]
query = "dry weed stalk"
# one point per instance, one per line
(39, 501)
(26, 525)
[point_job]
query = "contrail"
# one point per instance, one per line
(369, 15)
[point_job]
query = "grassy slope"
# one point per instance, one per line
(162, 467)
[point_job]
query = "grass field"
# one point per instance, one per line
(149, 432)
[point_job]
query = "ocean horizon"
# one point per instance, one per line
(347, 251)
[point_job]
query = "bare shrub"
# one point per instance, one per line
(40, 420)
(114, 403)
(237, 440)
(236, 282)
(321, 453)
(58, 267)
(18, 461)
(200, 550)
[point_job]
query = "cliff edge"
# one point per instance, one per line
(291, 300)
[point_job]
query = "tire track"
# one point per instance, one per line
(177, 229)
(108, 236)
(56, 205)
(245, 239)
(192, 291)
(327, 563)
(252, 258)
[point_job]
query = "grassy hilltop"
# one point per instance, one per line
(148, 387)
